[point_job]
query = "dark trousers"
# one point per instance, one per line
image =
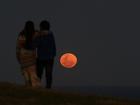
(46, 65)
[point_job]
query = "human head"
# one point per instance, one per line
(29, 26)
(44, 25)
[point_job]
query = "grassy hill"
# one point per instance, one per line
(11, 94)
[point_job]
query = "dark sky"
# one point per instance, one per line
(103, 33)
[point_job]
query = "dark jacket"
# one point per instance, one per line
(45, 44)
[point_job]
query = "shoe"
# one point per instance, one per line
(48, 87)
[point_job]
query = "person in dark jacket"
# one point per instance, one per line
(46, 52)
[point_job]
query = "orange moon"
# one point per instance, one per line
(68, 60)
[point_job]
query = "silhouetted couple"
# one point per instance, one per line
(35, 52)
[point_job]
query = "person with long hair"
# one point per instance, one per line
(26, 54)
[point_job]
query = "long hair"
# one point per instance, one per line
(28, 32)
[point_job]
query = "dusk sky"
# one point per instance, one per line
(104, 34)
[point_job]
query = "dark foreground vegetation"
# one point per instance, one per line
(11, 94)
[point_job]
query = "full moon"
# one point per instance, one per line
(68, 60)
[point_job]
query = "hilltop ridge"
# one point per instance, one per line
(13, 94)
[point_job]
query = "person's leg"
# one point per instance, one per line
(49, 71)
(40, 67)
(26, 77)
(35, 81)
